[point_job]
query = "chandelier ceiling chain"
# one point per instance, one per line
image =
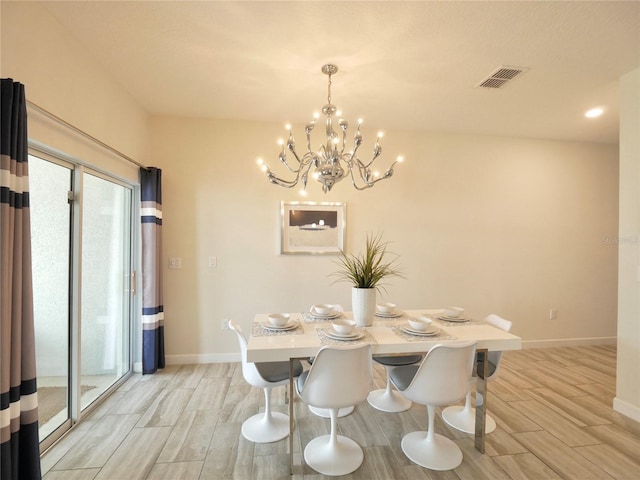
(330, 161)
(329, 72)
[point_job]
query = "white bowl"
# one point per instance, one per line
(343, 325)
(420, 324)
(386, 308)
(454, 312)
(323, 308)
(278, 319)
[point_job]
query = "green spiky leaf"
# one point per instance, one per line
(368, 270)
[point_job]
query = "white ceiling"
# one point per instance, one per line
(403, 65)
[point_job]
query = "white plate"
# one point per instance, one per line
(426, 333)
(389, 315)
(447, 317)
(453, 319)
(290, 325)
(329, 316)
(336, 333)
(339, 336)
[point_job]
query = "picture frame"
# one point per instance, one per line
(312, 228)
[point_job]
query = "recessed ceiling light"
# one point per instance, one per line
(594, 112)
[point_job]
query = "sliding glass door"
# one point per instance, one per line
(106, 277)
(51, 214)
(82, 255)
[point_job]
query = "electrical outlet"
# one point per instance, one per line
(553, 314)
(224, 324)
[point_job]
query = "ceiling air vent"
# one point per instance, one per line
(501, 76)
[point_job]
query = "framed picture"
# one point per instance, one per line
(313, 228)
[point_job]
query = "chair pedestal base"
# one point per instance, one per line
(439, 453)
(325, 412)
(262, 428)
(340, 458)
(464, 419)
(388, 401)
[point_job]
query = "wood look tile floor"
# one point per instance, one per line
(552, 407)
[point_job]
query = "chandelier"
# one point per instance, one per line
(332, 161)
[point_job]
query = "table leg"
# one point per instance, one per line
(481, 397)
(291, 397)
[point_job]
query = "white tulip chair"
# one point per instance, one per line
(463, 418)
(268, 426)
(339, 377)
(387, 399)
(441, 379)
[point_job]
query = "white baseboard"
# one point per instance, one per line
(194, 359)
(626, 409)
(569, 342)
(202, 358)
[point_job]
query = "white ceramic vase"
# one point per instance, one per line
(363, 305)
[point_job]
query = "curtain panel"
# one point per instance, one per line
(152, 306)
(19, 443)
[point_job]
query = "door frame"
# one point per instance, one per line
(78, 167)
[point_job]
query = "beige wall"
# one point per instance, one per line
(627, 398)
(61, 76)
(510, 226)
(497, 225)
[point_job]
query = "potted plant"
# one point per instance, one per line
(366, 272)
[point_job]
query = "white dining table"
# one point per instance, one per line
(386, 338)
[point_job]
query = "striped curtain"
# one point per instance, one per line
(152, 307)
(19, 447)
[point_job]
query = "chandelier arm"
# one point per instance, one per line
(343, 126)
(356, 186)
(376, 154)
(369, 183)
(292, 149)
(308, 140)
(390, 169)
(362, 167)
(306, 172)
(355, 150)
(282, 156)
(302, 171)
(283, 183)
(286, 164)
(301, 162)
